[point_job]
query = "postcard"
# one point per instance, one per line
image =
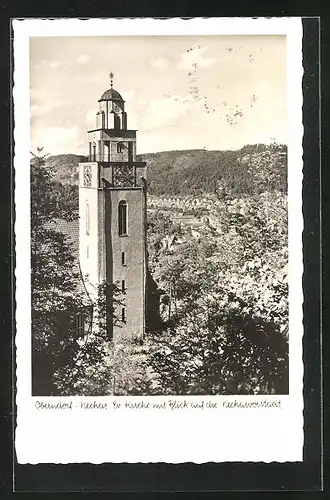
(158, 233)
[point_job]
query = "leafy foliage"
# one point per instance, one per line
(101, 368)
(54, 295)
(227, 289)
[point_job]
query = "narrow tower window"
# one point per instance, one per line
(122, 218)
(116, 122)
(123, 286)
(130, 151)
(80, 325)
(87, 219)
(123, 259)
(123, 314)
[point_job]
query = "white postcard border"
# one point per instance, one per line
(175, 436)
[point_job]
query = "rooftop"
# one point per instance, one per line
(111, 95)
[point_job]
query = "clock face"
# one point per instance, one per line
(87, 176)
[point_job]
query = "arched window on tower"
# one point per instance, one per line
(117, 122)
(100, 121)
(88, 221)
(111, 120)
(122, 218)
(94, 151)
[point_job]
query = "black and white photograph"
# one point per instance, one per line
(159, 218)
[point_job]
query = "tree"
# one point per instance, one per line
(101, 367)
(223, 341)
(229, 294)
(55, 299)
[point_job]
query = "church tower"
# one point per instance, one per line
(112, 224)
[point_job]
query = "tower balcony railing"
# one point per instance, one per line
(122, 174)
(120, 158)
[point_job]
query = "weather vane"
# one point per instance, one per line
(111, 79)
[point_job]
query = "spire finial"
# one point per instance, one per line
(111, 79)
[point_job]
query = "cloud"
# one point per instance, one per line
(37, 110)
(160, 63)
(166, 112)
(192, 57)
(56, 140)
(83, 59)
(51, 64)
(129, 95)
(42, 103)
(54, 64)
(97, 77)
(90, 118)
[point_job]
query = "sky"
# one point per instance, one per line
(181, 92)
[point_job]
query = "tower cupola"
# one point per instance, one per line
(111, 114)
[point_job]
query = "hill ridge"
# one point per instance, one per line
(251, 169)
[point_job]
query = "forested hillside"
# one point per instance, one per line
(196, 171)
(64, 168)
(249, 170)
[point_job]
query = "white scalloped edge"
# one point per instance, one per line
(53, 437)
